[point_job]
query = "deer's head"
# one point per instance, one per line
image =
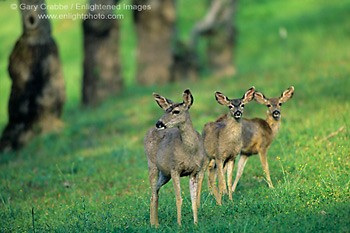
(175, 113)
(236, 106)
(274, 104)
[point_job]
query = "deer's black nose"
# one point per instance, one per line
(276, 114)
(237, 114)
(160, 125)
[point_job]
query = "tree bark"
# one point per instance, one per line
(37, 92)
(102, 70)
(155, 30)
(186, 63)
(219, 28)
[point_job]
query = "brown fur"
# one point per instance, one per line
(223, 141)
(258, 134)
(174, 149)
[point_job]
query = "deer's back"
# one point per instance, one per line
(221, 139)
(256, 135)
(182, 159)
(210, 137)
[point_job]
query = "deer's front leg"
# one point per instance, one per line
(175, 176)
(200, 180)
(194, 192)
(211, 177)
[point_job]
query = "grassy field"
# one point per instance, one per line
(92, 176)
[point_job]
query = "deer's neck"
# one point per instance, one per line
(233, 127)
(232, 122)
(189, 136)
(273, 123)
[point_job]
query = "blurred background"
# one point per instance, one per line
(102, 74)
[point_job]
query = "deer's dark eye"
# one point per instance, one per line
(280, 104)
(269, 105)
(230, 107)
(242, 105)
(176, 112)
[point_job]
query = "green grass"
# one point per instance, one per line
(92, 176)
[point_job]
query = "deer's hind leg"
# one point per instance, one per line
(222, 180)
(194, 192)
(263, 160)
(212, 175)
(201, 174)
(176, 183)
(240, 167)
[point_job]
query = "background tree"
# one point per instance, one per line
(102, 70)
(37, 92)
(219, 28)
(155, 30)
(186, 63)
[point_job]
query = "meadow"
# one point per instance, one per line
(92, 176)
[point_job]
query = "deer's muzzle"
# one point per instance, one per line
(160, 125)
(276, 114)
(237, 114)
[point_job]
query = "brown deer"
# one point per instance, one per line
(258, 134)
(174, 149)
(223, 141)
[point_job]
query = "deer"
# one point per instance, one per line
(174, 149)
(258, 134)
(223, 141)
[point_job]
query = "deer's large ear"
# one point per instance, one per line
(188, 98)
(222, 99)
(260, 98)
(248, 95)
(163, 102)
(287, 94)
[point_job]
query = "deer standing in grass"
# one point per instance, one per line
(174, 149)
(223, 141)
(258, 134)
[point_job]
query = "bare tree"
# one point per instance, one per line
(219, 27)
(37, 92)
(102, 70)
(155, 29)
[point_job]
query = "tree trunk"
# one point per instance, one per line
(219, 28)
(102, 69)
(37, 92)
(155, 30)
(186, 63)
